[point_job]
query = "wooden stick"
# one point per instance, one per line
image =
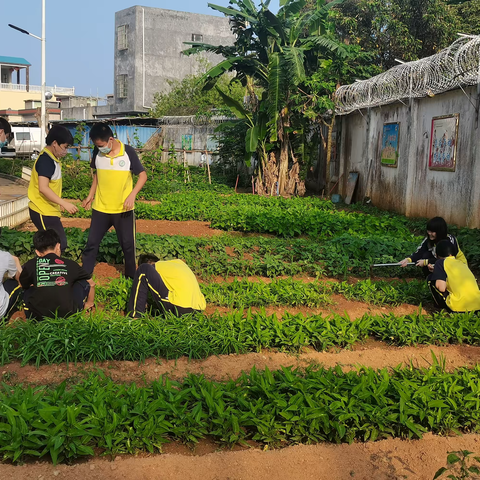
(236, 183)
(333, 188)
(208, 168)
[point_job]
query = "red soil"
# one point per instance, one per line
(384, 460)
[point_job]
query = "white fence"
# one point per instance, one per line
(14, 212)
(37, 88)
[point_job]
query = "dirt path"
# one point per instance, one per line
(371, 354)
(157, 227)
(340, 306)
(383, 460)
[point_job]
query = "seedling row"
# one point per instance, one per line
(102, 337)
(272, 408)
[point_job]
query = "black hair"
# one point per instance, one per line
(444, 248)
(5, 126)
(147, 258)
(100, 131)
(439, 226)
(45, 240)
(59, 134)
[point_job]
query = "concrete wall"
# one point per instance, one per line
(172, 134)
(165, 31)
(412, 188)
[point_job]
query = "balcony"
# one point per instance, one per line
(18, 87)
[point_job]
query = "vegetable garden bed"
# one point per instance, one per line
(293, 275)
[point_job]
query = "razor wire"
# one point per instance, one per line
(456, 66)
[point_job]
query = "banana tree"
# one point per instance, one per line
(276, 53)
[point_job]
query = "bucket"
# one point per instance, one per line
(336, 198)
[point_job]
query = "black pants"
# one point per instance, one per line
(14, 290)
(81, 289)
(42, 222)
(439, 298)
(124, 224)
(147, 279)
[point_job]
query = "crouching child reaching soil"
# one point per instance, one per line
(426, 256)
(172, 284)
(54, 285)
(452, 284)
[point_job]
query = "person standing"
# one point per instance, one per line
(112, 196)
(45, 188)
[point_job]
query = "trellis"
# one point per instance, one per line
(454, 67)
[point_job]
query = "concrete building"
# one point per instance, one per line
(148, 52)
(20, 101)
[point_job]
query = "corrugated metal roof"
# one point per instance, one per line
(129, 134)
(15, 61)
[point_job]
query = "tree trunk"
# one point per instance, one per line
(329, 151)
(284, 144)
(283, 166)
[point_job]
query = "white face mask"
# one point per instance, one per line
(106, 149)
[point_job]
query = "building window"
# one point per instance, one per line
(122, 86)
(196, 37)
(122, 37)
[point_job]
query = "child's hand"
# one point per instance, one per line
(129, 203)
(87, 203)
(70, 207)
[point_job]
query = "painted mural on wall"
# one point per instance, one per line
(187, 142)
(443, 143)
(389, 154)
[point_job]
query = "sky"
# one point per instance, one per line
(79, 38)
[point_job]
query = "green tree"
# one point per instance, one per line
(468, 15)
(276, 53)
(404, 29)
(188, 97)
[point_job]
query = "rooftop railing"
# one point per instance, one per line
(37, 88)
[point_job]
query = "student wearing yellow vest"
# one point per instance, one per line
(45, 189)
(172, 284)
(426, 256)
(452, 284)
(112, 196)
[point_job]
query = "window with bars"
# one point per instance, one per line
(197, 37)
(122, 86)
(122, 37)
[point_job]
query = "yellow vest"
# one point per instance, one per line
(38, 202)
(115, 181)
(464, 295)
(183, 288)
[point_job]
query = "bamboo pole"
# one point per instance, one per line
(184, 168)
